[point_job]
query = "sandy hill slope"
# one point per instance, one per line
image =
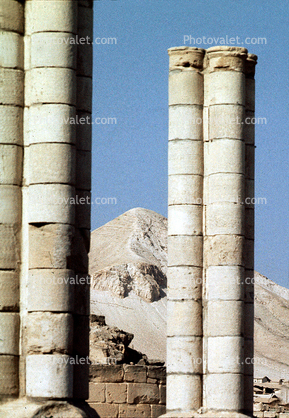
(130, 254)
(128, 265)
(271, 329)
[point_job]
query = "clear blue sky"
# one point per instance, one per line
(130, 84)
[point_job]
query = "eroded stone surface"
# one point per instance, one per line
(143, 279)
(48, 333)
(110, 344)
(23, 408)
(129, 254)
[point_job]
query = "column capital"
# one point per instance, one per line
(186, 58)
(226, 58)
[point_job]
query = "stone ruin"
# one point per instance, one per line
(210, 310)
(110, 345)
(123, 382)
(45, 181)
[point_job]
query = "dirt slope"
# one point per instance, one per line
(128, 265)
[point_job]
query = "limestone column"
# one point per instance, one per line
(83, 187)
(222, 385)
(185, 231)
(249, 135)
(47, 288)
(11, 150)
(224, 220)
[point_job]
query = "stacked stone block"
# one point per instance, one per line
(211, 232)
(127, 391)
(224, 234)
(44, 228)
(185, 230)
(11, 157)
(49, 179)
(269, 411)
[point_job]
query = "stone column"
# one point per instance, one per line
(47, 289)
(11, 150)
(185, 230)
(224, 219)
(45, 245)
(210, 233)
(249, 135)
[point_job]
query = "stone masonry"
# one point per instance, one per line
(45, 181)
(210, 232)
(127, 391)
(45, 176)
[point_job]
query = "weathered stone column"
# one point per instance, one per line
(210, 379)
(53, 228)
(48, 196)
(11, 150)
(224, 230)
(249, 135)
(185, 230)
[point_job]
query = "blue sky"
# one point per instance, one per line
(131, 85)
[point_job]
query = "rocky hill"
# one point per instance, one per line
(130, 254)
(128, 267)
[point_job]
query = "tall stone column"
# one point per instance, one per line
(11, 150)
(185, 230)
(47, 291)
(224, 229)
(211, 232)
(45, 206)
(249, 135)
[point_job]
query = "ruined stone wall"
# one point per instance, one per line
(271, 414)
(127, 391)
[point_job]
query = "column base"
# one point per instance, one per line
(24, 408)
(209, 414)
